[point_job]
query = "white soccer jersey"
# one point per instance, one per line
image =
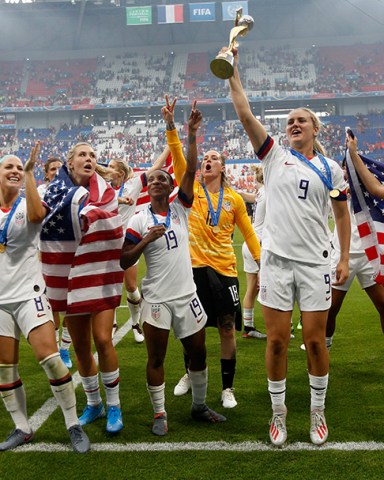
(296, 218)
(169, 269)
(21, 276)
(131, 188)
(355, 245)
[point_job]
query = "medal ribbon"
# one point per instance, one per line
(3, 233)
(167, 219)
(215, 216)
(327, 180)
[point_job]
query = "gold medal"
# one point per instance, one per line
(334, 193)
(2, 247)
(216, 229)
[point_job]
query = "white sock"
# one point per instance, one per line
(92, 390)
(277, 391)
(133, 300)
(62, 387)
(328, 341)
(13, 395)
(111, 383)
(318, 387)
(157, 396)
(199, 382)
(66, 339)
(248, 317)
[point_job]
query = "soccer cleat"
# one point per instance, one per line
(137, 333)
(91, 413)
(303, 347)
(228, 398)
(64, 354)
(160, 425)
(16, 438)
(254, 333)
(319, 429)
(183, 386)
(205, 414)
(277, 428)
(79, 439)
(114, 419)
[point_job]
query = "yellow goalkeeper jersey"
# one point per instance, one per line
(210, 246)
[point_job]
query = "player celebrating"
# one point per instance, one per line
(295, 261)
(24, 307)
(169, 293)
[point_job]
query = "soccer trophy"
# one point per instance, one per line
(222, 65)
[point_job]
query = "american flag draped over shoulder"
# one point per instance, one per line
(81, 242)
(143, 201)
(369, 214)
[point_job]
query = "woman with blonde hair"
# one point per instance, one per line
(295, 259)
(81, 242)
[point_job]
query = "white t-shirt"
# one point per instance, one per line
(169, 269)
(296, 218)
(131, 188)
(21, 275)
(41, 189)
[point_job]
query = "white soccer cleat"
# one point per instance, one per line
(183, 386)
(228, 398)
(319, 429)
(277, 427)
(137, 333)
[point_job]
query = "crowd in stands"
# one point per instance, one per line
(141, 144)
(134, 77)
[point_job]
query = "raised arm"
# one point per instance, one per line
(371, 183)
(188, 179)
(255, 130)
(178, 160)
(36, 211)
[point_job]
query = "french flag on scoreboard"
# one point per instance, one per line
(170, 13)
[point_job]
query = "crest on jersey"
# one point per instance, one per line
(227, 206)
(19, 218)
(155, 311)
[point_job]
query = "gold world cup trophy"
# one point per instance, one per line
(222, 65)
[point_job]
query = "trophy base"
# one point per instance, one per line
(222, 66)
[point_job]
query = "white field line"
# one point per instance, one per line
(204, 446)
(43, 413)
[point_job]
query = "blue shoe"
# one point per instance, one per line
(114, 419)
(90, 414)
(64, 354)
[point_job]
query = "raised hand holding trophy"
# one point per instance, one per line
(222, 65)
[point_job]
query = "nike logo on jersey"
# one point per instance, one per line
(39, 315)
(327, 298)
(287, 163)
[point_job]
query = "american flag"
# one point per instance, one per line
(143, 201)
(81, 242)
(369, 213)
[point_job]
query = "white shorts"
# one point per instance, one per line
(185, 315)
(359, 267)
(22, 317)
(250, 266)
(282, 281)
